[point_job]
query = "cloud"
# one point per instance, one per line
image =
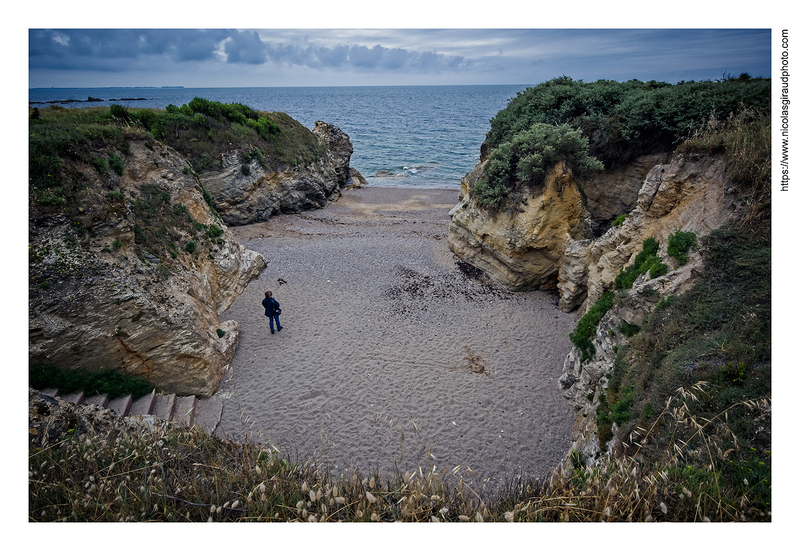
(369, 56)
(102, 49)
(245, 47)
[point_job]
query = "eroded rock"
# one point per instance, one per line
(104, 299)
(521, 248)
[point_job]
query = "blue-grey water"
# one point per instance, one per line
(426, 136)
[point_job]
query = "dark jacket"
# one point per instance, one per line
(270, 305)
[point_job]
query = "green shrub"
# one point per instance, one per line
(679, 244)
(99, 164)
(528, 156)
(658, 269)
(116, 163)
(246, 170)
(113, 383)
(120, 112)
(646, 261)
(622, 120)
(220, 333)
(116, 245)
(628, 329)
(619, 220)
(586, 329)
(191, 247)
(214, 231)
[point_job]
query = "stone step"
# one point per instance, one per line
(144, 405)
(165, 406)
(121, 406)
(97, 400)
(74, 398)
(185, 410)
(208, 413)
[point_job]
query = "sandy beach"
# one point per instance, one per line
(392, 353)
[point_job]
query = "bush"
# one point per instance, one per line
(528, 156)
(120, 112)
(586, 329)
(619, 220)
(99, 164)
(646, 261)
(116, 163)
(679, 244)
(191, 247)
(214, 231)
(622, 120)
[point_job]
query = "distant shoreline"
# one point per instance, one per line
(89, 100)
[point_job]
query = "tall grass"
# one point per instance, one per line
(93, 469)
(744, 138)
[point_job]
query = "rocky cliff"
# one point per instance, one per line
(132, 273)
(520, 248)
(245, 192)
(547, 237)
(691, 193)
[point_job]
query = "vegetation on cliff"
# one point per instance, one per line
(76, 161)
(204, 130)
(604, 124)
(705, 353)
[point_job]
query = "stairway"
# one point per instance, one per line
(186, 411)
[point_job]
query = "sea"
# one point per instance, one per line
(402, 136)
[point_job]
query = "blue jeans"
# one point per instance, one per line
(277, 322)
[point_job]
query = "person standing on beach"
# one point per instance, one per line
(272, 310)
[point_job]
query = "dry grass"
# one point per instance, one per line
(90, 467)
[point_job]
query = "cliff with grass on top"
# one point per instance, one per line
(646, 207)
(130, 263)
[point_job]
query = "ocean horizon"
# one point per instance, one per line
(403, 136)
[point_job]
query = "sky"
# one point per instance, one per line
(216, 57)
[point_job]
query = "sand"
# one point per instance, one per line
(393, 354)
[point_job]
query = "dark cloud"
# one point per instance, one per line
(104, 49)
(421, 55)
(245, 47)
(94, 48)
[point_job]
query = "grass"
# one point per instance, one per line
(203, 131)
(716, 335)
(79, 472)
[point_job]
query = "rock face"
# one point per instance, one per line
(582, 382)
(100, 298)
(520, 249)
(549, 235)
(690, 193)
(341, 149)
(611, 193)
(254, 194)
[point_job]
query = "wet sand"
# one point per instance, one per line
(393, 354)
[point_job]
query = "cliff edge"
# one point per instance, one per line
(132, 273)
